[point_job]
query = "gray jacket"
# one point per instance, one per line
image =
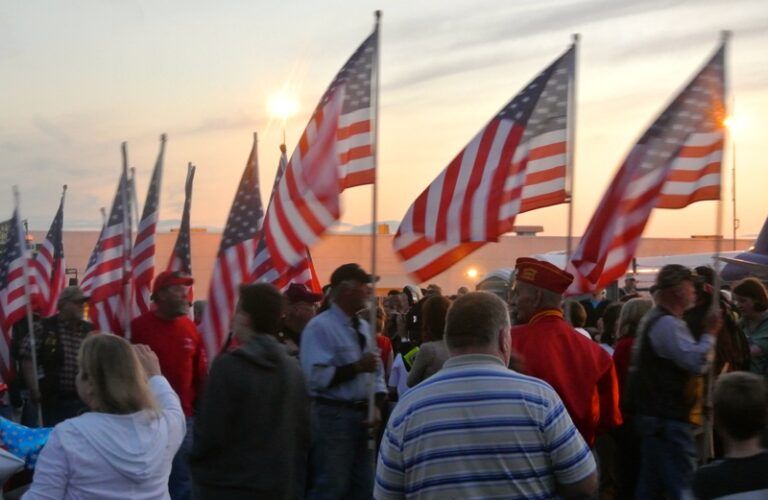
(252, 427)
(429, 361)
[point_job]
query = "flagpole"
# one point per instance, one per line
(732, 137)
(725, 37)
(715, 305)
(373, 315)
(134, 197)
(127, 230)
(570, 159)
(28, 296)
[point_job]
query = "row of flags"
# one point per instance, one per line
(519, 161)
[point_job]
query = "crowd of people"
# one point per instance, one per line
(519, 394)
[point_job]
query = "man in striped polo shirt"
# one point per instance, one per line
(476, 429)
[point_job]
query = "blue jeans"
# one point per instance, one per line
(668, 457)
(180, 481)
(341, 463)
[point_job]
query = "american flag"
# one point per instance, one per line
(264, 270)
(234, 262)
(676, 162)
(13, 297)
(143, 253)
(516, 163)
(106, 274)
(48, 268)
(181, 258)
(334, 152)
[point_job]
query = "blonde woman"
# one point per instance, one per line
(123, 447)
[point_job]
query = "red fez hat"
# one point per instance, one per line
(542, 274)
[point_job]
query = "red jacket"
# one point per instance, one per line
(579, 370)
(180, 351)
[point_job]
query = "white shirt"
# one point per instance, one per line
(105, 456)
(399, 376)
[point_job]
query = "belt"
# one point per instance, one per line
(351, 405)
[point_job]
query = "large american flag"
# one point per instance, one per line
(676, 162)
(48, 267)
(106, 274)
(334, 152)
(13, 297)
(181, 257)
(516, 163)
(143, 253)
(264, 270)
(234, 262)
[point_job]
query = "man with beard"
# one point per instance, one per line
(663, 384)
(169, 332)
(579, 370)
(58, 340)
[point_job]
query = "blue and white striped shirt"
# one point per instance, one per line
(477, 429)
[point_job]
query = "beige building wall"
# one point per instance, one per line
(336, 249)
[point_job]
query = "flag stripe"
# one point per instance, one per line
(675, 163)
(515, 163)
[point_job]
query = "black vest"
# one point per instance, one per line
(658, 387)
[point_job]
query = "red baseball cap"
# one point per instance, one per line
(542, 274)
(170, 278)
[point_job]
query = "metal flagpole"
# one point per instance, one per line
(127, 231)
(373, 316)
(134, 198)
(732, 137)
(28, 296)
(570, 153)
(725, 36)
(715, 305)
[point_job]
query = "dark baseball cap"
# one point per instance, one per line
(299, 293)
(351, 272)
(672, 275)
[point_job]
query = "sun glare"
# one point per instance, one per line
(735, 123)
(283, 105)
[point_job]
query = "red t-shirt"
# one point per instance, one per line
(180, 351)
(622, 355)
(579, 370)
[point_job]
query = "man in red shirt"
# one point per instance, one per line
(169, 332)
(579, 370)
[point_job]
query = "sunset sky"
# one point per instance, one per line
(81, 76)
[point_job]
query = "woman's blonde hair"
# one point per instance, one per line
(117, 379)
(631, 313)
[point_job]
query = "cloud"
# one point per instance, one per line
(51, 130)
(456, 43)
(220, 123)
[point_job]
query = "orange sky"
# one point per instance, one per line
(82, 76)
